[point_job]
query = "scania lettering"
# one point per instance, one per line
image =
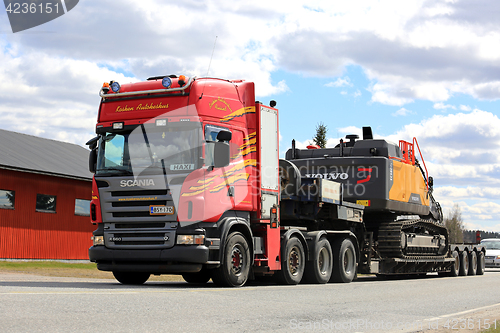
(142, 182)
(187, 180)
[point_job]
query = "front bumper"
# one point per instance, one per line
(492, 263)
(178, 259)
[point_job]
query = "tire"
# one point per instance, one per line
(236, 262)
(455, 268)
(319, 269)
(200, 277)
(464, 264)
(344, 267)
(293, 262)
(472, 263)
(131, 278)
(481, 263)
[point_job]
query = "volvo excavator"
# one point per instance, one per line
(403, 223)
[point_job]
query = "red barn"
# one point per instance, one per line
(45, 193)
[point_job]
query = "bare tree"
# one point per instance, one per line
(455, 225)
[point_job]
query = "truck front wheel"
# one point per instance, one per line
(344, 265)
(133, 278)
(236, 261)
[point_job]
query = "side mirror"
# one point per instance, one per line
(93, 160)
(92, 143)
(431, 182)
(221, 154)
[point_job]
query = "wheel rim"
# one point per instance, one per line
(237, 260)
(323, 260)
(294, 261)
(348, 260)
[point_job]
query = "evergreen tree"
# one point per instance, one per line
(320, 138)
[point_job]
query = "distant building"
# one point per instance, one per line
(45, 193)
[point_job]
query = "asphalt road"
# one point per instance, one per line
(30, 303)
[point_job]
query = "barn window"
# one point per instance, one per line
(7, 199)
(45, 203)
(82, 207)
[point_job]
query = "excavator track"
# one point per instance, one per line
(392, 235)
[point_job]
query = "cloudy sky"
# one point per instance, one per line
(428, 69)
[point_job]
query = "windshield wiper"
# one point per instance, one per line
(121, 171)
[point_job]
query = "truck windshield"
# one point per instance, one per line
(154, 150)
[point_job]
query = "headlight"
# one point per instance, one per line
(191, 239)
(98, 240)
(498, 257)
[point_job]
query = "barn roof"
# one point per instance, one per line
(27, 153)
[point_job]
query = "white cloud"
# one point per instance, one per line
(465, 108)
(442, 106)
(340, 82)
(402, 112)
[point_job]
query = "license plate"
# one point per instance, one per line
(489, 261)
(161, 210)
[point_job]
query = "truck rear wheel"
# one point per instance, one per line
(344, 267)
(292, 263)
(455, 268)
(480, 263)
(235, 265)
(200, 277)
(472, 263)
(464, 264)
(132, 278)
(319, 269)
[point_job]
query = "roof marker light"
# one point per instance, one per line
(161, 122)
(166, 82)
(118, 126)
(115, 86)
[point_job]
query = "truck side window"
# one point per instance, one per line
(211, 132)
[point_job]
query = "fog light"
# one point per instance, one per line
(98, 240)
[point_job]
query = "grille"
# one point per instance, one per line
(130, 205)
(121, 238)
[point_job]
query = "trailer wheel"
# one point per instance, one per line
(235, 265)
(480, 263)
(132, 278)
(455, 268)
(472, 263)
(292, 263)
(319, 269)
(344, 267)
(200, 277)
(464, 263)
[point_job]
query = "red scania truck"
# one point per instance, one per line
(188, 181)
